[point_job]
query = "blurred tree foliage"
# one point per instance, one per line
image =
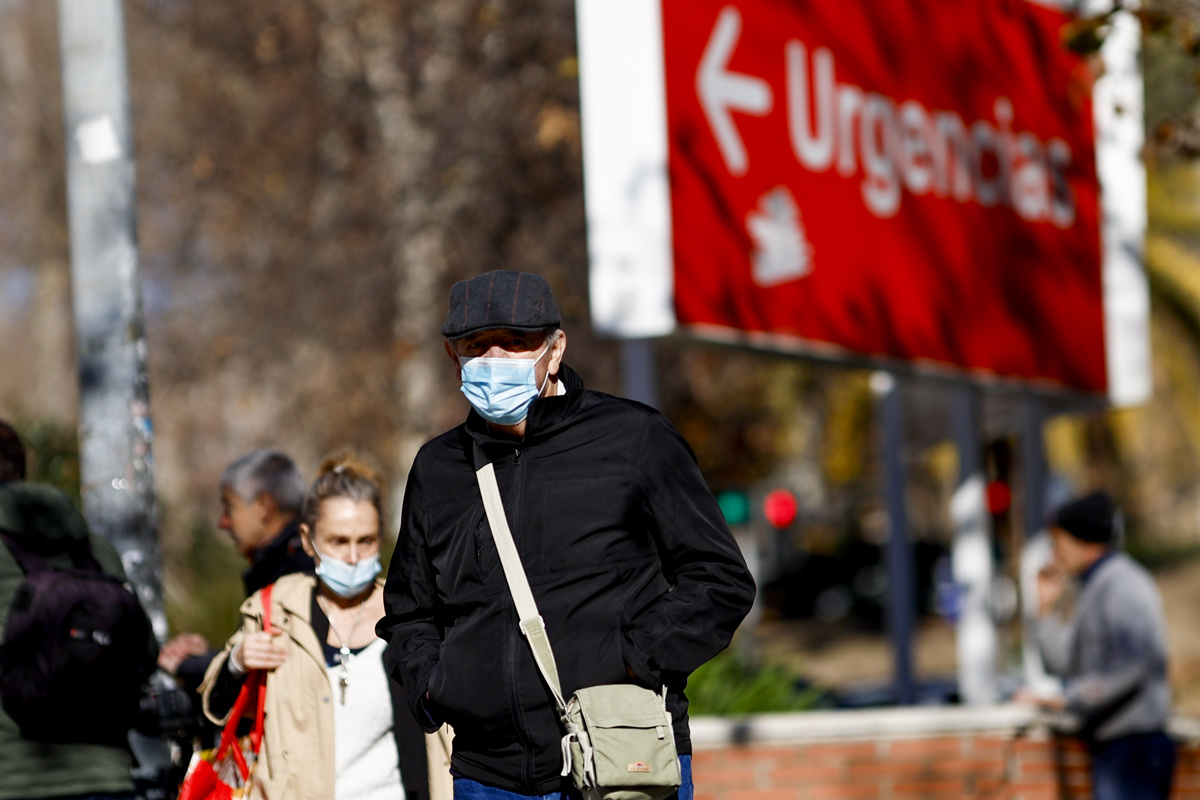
(52, 454)
(1171, 62)
(202, 587)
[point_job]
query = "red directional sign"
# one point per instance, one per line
(906, 180)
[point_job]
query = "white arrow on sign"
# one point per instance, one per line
(723, 92)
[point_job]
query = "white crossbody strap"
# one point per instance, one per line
(532, 625)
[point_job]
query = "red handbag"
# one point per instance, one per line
(224, 772)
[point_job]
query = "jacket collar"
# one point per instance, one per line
(546, 414)
(294, 595)
(1090, 573)
(280, 547)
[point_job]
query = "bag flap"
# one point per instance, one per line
(621, 705)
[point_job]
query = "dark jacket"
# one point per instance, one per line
(628, 556)
(283, 556)
(44, 520)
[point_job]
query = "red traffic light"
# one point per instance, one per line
(999, 497)
(780, 507)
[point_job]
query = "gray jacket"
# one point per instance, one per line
(1112, 653)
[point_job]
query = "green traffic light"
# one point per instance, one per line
(735, 506)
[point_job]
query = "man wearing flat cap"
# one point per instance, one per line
(632, 567)
(1111, 653)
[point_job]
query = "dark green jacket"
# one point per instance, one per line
(36, 513)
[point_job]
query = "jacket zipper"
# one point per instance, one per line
(479, 545)
(514, 642)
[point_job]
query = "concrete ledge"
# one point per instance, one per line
(889, 723)
(884, 723)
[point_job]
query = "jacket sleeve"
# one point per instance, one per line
(190, 672)
(220, 687)
(410, 745)
(712, 590)
(410, 604)
(1133, 650)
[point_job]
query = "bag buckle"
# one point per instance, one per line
(566, 754)
(581, 739)
(521, 625)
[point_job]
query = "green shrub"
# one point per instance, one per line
(202, 587)
(732, 684)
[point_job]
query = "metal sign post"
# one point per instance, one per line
(114, 416)
(902, 588)
(638, 378)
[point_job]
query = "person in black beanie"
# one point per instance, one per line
(1111, 653)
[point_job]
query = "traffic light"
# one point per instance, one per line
(735, 506)
(780, 508)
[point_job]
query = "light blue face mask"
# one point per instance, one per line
(501, 389)
(347, 580)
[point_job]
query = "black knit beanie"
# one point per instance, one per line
(1089, 519)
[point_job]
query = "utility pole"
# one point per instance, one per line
(115, 432)
(116, 465)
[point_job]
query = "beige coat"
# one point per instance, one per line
(297, 757)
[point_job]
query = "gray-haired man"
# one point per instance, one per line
(261, 496)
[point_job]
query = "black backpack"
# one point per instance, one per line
(75, 653)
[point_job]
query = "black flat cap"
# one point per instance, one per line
(500, 299)
(1089, 519)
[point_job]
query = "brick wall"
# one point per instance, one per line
(901, 754)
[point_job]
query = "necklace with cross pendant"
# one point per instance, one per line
(343, 656)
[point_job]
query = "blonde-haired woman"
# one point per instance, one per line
(335, 726)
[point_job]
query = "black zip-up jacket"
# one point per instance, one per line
(283, 555)
(628, 556)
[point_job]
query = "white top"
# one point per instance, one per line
(368, 766)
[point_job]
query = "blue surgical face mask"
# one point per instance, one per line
(347, 580)
(501, 389)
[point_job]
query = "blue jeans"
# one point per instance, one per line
(1137, 767)
(472, 790)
